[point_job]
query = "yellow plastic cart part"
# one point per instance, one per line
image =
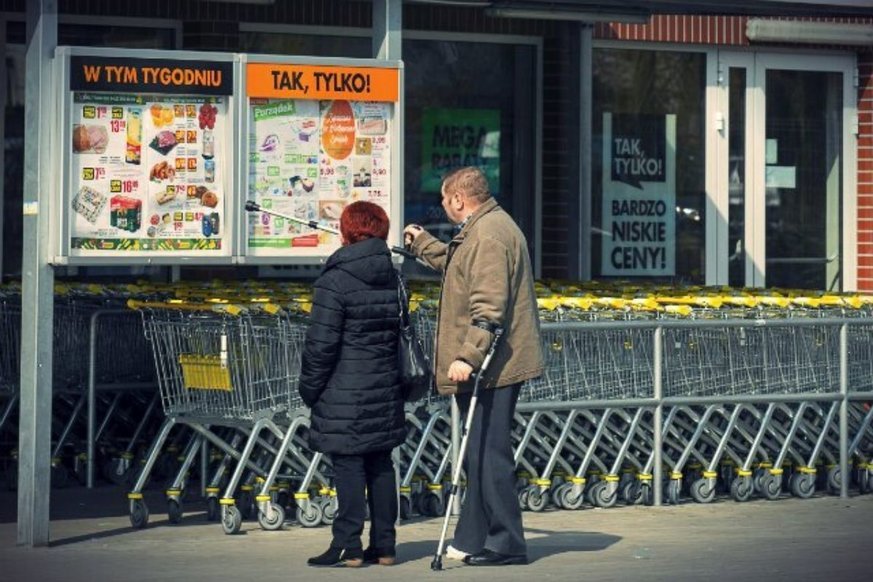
(227, 501)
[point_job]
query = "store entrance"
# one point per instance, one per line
(784, 170)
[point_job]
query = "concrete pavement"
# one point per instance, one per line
(818, 539)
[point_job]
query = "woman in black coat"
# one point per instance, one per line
(350, 380)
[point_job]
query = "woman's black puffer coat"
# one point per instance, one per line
(349, 376)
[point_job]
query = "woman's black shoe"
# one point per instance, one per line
(379, 556)
(337, 557)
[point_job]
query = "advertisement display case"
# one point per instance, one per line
(319, 134)
(148, 157)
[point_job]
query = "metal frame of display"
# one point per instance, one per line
(61, 228)
(395, 133)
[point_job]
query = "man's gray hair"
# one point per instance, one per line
(469, 181)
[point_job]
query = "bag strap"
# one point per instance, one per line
(403, 301)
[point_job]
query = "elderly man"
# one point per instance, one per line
(487, 283)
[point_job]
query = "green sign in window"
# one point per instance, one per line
(454, 138)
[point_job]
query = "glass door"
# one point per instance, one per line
(786, 175)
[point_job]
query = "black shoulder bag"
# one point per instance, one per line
(413, 363)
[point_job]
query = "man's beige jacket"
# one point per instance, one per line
(487, 281)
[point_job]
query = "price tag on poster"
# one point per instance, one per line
(148, 154)
(319, 138)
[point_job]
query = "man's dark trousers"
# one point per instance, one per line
(491, 516)
(354, 473)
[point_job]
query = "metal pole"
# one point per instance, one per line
(657, 362)
(387, 25)
(844, 411)
(37, 293)
(92, 394)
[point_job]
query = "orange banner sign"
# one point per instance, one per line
(321, 82)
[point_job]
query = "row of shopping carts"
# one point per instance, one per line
(96, 340)
(723, 393)
(724, 405)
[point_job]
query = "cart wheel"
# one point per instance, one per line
(631, 492)
(139, 514)
(328, 510)
(702, 492)
(213, 509)
(674, 487)
(231, 521)
(310, 517)
(114, 471)
(174, 510)
(571, 500)
(432, 505)
(648, 497)
(741, 489)
(602, 496)
(863, 481)
(523, 497)
(273, 519)
(771, 486)
(835, 478)
(802, 485)
(558, 495)
(405, 507)
(537, 499)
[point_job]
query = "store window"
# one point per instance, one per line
(470, 103)
(467, 103)
(648, 165)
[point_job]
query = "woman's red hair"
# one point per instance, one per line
(362, 220)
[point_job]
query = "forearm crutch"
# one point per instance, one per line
(437, 563)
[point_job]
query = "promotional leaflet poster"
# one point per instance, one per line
(639, 195)
(455, 138)
(309, 159)
(147, 173)
(147, 170)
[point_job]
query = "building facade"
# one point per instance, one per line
(690, 148)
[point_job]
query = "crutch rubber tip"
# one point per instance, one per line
(437, 564)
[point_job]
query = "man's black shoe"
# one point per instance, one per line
(489, 558)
